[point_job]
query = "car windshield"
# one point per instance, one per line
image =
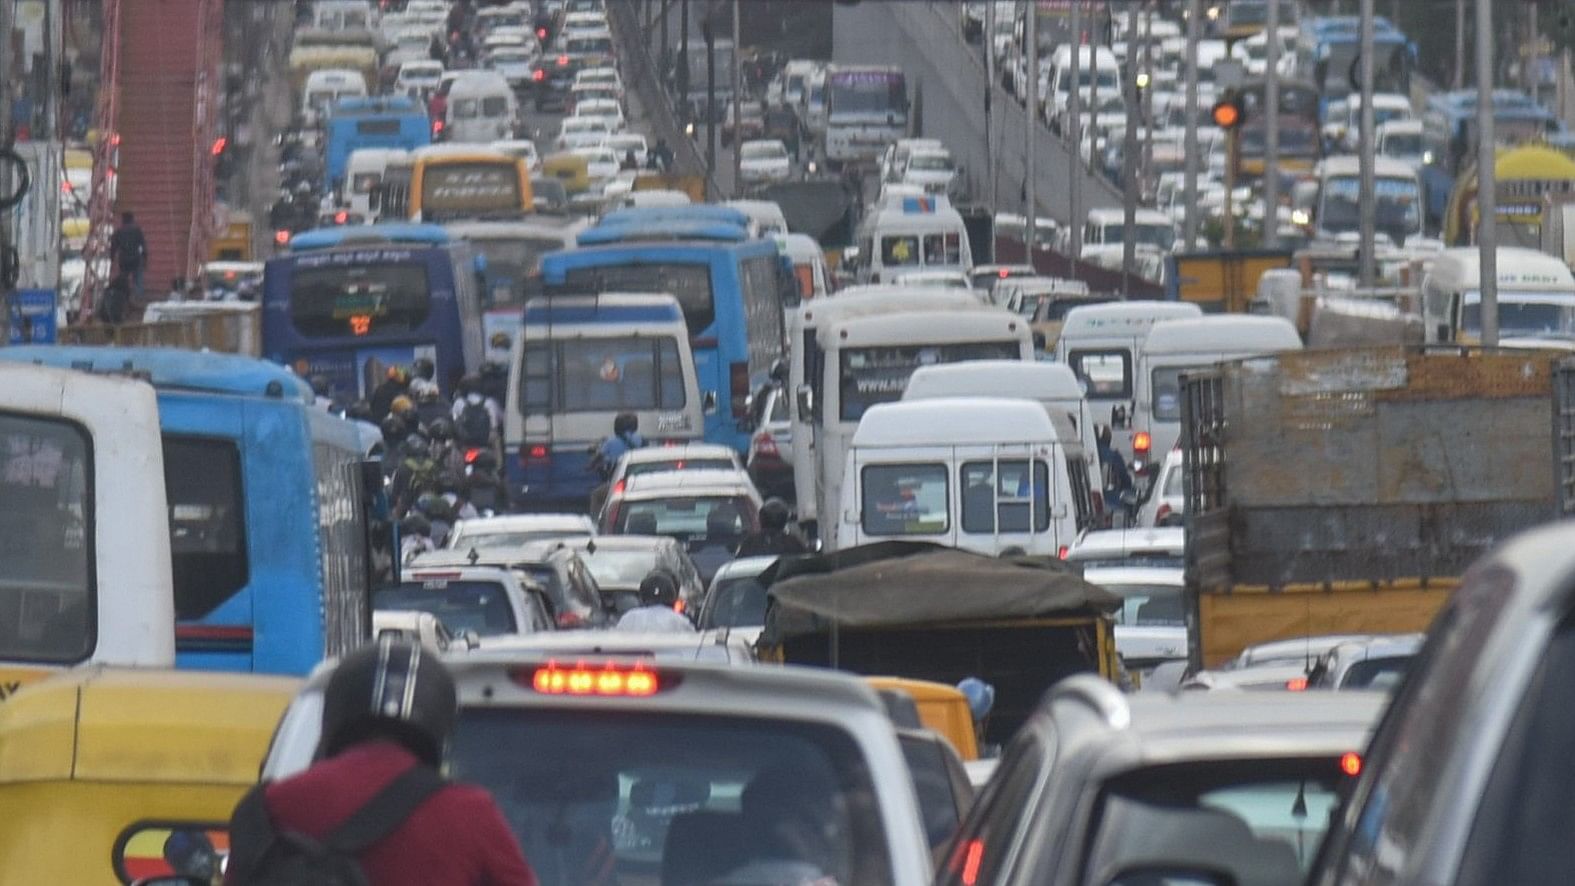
(480, 606)
(1376, 673)
(1403, 145)
(1522, 318)
(767, 151)
(1397, 205)
(735, 603)
(931, 163)
(512, 259)
(677, 798)
(1259, 819)
(636, 468)
(620, 569)
(709, 517)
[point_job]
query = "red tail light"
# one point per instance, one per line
(474, 453)
(738, 385)
(538, 75)
(571, 620)
(341, 217)
(281, 237)
(534, 452)
(610, 680)
(541, 33)
(1162, 513)
(437, 127)
(562, 60)
(1061, 552)
(969, 858)
(219, 145)
(765, 445)
(679, 606)
(1296, 684)
(617, 488)
(1142, 442)
(1351, 763)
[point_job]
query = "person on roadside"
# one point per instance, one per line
(388, 712)
(129, 248)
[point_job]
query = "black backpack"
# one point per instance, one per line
(288, 858)
(474, 426)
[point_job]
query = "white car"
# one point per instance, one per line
(418, 78)
(512, 530)
(480, 601)
(1165, 504)
(580, 23)
(581, 132)
(941, 279)
(603, 109)
(523, 148)
(931, 169)
(601, 163)
(623, 143)
(514, 63)
(1151, 625)
(764, 160)
(1129, 547)
(735, 604)
(599, 76)
(686, 457)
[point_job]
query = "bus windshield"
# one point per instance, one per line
(450, 190)
(46, 528)
(878, 375)
(359, 299)
(867, 92)
(689, 283)
(1522, 315)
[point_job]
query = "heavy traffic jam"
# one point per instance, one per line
(769, 443)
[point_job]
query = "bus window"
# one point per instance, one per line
(606, 374)
(207, 523)
(902, 250)
(359, 299)
(762, 310)
(46, 531)
(689, 283)
(905, 499)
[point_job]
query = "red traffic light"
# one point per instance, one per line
(1228, 112)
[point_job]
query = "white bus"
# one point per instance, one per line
(1054, 388)
(803, 326)
(578, 362)
(859, 361)
(1175, 346)
(1100, 343)
(85, 568)
(363, 186)
(911, 233)
(866, 110)
(979, 473)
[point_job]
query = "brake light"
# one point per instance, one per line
(1296, 684)
(538, 75)
(764, 445)
(571, 620)
(1142, 442)
(1161, 513)
(541, 33)
(472, 454)
(1351, 763)
(437, 127)
(610, 680)
(281, 237)
(341, 217)
(679, 607)
(535, 452)
(973, 859)
(617, 488)
(738, 384)
(1003, 273)
(562, 60)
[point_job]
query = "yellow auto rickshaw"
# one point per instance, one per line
(571, 169)
(942, 709)
(110, 775)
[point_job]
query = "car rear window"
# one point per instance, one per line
(680, 464)
(480, 606)
(735, 603)
(678, 799)
(687, 518)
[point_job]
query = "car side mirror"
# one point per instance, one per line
(708, 403)
(806, 401)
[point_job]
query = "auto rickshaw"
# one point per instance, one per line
(942, 708)
(571, 169)
(111, 775)
(927, 612)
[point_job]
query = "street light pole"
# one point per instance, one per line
(1073, 128)
(1189, 227)
(1487, 178)
(1030, 191)
(1129, 150)
(1271, 122)
(1366, 257)
(989, 92)
(738, 112)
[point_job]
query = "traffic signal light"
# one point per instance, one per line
(1229, 112)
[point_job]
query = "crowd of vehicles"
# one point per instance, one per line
(964, 569)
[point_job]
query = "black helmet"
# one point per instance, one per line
(320, 385)
(393, 689)
(415, 523)
(470, 384)
(394, 430)
(659, 589)
(774, 515)
(422, 367)
(626, 423)
(440, 429)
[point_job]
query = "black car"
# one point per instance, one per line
(550, 79)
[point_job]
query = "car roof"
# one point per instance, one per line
(1113, 578)
(1031, 380)
(614, 543)
(1125, 542)
(523, 523)
(954, 421)
(1302, 648)
(704, 481)
(681, 451)
(616, 644)
(1380, 646)
(424, 571)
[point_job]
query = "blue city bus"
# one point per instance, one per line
(1449, 137)
(1327, 49)
(276, 527)
(359, 300)
(731, 290)
(383, 122)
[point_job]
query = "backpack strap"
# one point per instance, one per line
(252, 832)
(386, 811)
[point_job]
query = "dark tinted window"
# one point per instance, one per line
(905, 499)
(932, 782)
(1013, 501)
(690, 284)
(478, 606)
(878, 375)
(1376, 673)
(202, 483)
(46, 540)
(735, 603)
(698, 800)
(359, 300)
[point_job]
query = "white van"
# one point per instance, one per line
(1100, 344)
(1060, 78)
(765, 216)
(481, 108)
(364, 179)
(911, 233)
(327, 86)
(1175, 346)
(809, 265)
(1054, 388)
(982, 474)
(1536, 297)
(803, 349)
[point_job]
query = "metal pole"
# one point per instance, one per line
(1129, 149)
(1271, 123)
(683, 59)
(1189, 227)
(989, 93)
(1093, 101)
(1487, 180)
(710, 99)
(1030, 189)
(738, 113)
(1148, 96)
(1367, 264)
(1460, 44)
(1074, 126)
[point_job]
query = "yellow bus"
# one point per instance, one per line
(449, 182)
(1527, 176)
